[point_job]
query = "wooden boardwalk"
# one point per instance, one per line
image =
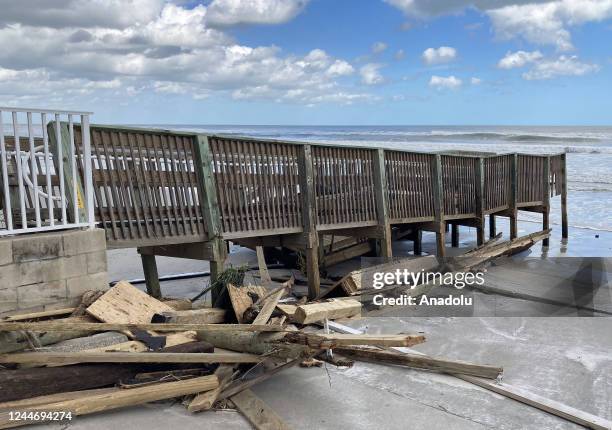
(186, 194)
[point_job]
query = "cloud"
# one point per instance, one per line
(476, 81)
(545, 22)
(379, 47)
(440, 82)
(399, 54)
(563, 66)
(443, 54)
(518, 59)
(166, 49)
(232, 12)
(370, 74)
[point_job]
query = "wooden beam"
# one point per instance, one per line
(381, 194)
(149, 267)
(44, 326)
(306, 314)
(309, 220)
(39, 315)
(329, 341)
(455, 235)
(421, 362)
(264, 275)
(99, 402)
(492, 226)
(438, 198)
(257, 412)
(193, 250)
(128, 357)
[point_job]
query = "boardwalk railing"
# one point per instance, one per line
(150, 188)
(46, 173)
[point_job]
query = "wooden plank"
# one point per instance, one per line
(39, 315)
(264, 275)
(204, 401)
(268, 307)
(333, 309)
(241, 300)
(128, 357)
(257, 412)
(46, 326)
(192, 316)
(420, 362)
(99, 402)
(126, 304)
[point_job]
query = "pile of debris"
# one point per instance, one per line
(148, 350)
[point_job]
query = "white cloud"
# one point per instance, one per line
(545, 22)
(400, 54)
(476, 81)
(370, 74)
(518, 59)
(233, 12)
(379, 47)
(563, 66)
(173, 51)
(440, 82)
(443, 54)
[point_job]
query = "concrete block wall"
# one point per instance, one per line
(45, 271)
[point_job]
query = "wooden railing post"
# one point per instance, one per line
(514, 197)
(210, 208)
(438, 199)
(546, 199)
(309, 220)
(382, 204)
(564, 229)
(480, 201)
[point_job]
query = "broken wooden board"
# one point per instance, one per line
(421, 362)
(128, 357)
(264, 275)
(45, 326)
(39, 315)
(99, 402)
(259, 414)
(332, 340)
(204, 401)
(125, 303)
(268, 307)
(288, 310)
(241, 300)
(193, 316)
(332, 309)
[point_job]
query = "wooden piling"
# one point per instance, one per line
(546, 200)
(492, 226)
(149, 267)
(455, 236)
(309, 220)
(564, 228)
(418, 242)
(382, 205)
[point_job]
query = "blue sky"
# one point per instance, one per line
(312, 62)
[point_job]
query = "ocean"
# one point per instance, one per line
(589, 156)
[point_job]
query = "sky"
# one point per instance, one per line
(312, 62)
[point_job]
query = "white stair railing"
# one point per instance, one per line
(28, 206)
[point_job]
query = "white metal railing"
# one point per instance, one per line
(27, 206)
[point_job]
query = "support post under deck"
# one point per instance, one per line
(455, 235)
(546, 200)
(149, 267)
(480, 201)
(564, 229)
(309, 220)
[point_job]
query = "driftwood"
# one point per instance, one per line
(87, 404)
(421, 362)
(334, 309)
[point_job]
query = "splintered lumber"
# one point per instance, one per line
(421, 362)
(81, 327)
(268, 307)
(551, 406)
(39, 315)
(127, 357)
(204, 401)
(328, 341)
(194, 316)
(50, 398)
(264, 275)
(259, 414)
(25, 383)
(288, 310)
(18, 340)
(333, 309)
(241, 298)
(125, 303)
(91, 403)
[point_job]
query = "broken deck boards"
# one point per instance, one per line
(128, 357)
(333, 309)
(259, 414)
(241, 299)
(125, 303)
